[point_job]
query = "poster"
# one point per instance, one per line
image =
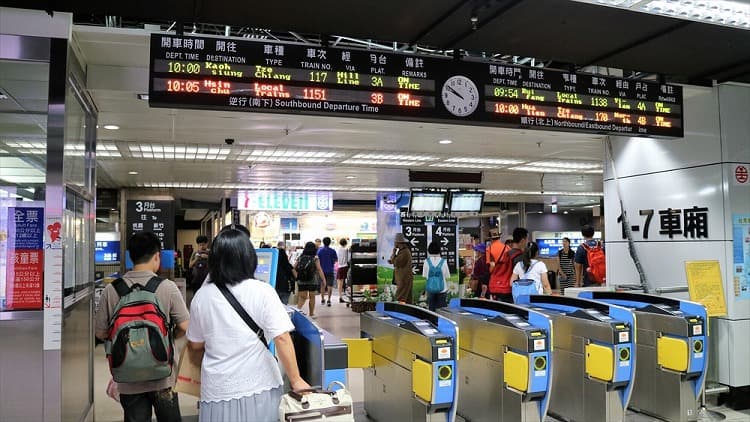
(25, 259)
(706, 286)
(53, 283)
(741, 253)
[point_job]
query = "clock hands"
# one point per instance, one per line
(454, 92)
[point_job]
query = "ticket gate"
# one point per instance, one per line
(671, 343)
(504, 360)
(409, 358)
(321, 357)
(593, 357)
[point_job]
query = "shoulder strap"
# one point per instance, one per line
(243, 314)
(430, 264)
(440, 264)
(153, 284)
(121, 287)
(529, 269)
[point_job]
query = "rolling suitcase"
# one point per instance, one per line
(316, 404)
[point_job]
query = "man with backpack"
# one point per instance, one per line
(138, 317)
(502, 259)
(590, 262)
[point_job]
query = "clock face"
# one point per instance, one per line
(460, 96)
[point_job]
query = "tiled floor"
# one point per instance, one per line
(341, 321)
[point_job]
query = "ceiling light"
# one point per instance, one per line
(445, 141)
(566, 164)
(553, 170)
(464, 166)
(410, 157)
(475, 160)
(351, 177)
(111, 127)
(143, 97)
(132, 173)
(565, 212)
(380, 162)
(579, 183)
(732, 13)
(3, 96)
(540, 212)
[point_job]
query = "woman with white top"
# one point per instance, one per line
(532, 269)
(343, 254)
(436, 300)
(240, 379)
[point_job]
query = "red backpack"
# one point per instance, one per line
(597, 269)
(500, 276)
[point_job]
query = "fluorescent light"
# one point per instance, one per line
(565, 212)
(566, 164)
(380, 163)
(464, 166)
(719, 12)
(477, 160)
(445, 141)
(409, 157)
(351, 177)
(143, 97)
(527, 168)
(132, 173)
(111, 127)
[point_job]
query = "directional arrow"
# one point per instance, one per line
(414, 269)
(444, 241)
(414, 241)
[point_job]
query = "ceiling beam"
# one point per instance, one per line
(481, 22)
(726, 71)
(437, 22)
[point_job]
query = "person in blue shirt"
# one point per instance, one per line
(328, 258)
(581, 258)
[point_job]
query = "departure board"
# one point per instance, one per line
(245, 75)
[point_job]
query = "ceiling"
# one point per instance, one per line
(681, 50)
(184, 151)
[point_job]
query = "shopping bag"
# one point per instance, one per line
(316, 404)
(188, 376)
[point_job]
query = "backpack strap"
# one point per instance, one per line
(121, 287)
(529, 269)
(243, 314)
(440, 264)
(153, 284)
(430, 264)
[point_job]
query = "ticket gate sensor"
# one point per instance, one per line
(321, 357)
(593, 357)
(504, 361)
(412, 364)
(671, 342)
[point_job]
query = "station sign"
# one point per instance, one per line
(294, 201)
(414, 230)
(262, 76)
(152, 216)
(444, 231)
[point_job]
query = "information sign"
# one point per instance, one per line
(245, 75)
(152, 216)
(444, 231)
(415, 231)
(25, 266)
(272, 200)
(706, 286)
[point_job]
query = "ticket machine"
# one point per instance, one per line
(671, 342)
(593, 357)
(504, 363)
(409, 358)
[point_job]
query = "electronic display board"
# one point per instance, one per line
(466, 201)
(245, 75)
(433, 202)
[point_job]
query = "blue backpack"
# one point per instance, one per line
(524, 286)
(435, 281)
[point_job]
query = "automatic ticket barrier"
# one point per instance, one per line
(671, 342)
(593, 355)
(409, 358)
(504, 360)
(321, 357)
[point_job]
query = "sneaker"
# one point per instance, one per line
(322, 301)
(341, 300)
(329, 303)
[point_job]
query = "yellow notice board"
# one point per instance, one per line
(706, 286)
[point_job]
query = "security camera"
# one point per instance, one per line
(229, 141)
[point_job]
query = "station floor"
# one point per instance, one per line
(339, 320)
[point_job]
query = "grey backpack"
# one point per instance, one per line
(139, 343)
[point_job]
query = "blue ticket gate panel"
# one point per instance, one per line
(504, 361)
(671, 347)
(413, 371)
(321, 357)
(593, 357)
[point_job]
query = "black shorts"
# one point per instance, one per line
(310, 286)
(330, 280)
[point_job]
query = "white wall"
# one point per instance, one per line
(681, 173)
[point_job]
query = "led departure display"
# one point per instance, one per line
(244, 75)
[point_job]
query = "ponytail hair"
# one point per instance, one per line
(531, 251)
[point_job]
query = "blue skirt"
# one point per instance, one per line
(261, 407)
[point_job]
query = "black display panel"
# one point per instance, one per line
(244, 75)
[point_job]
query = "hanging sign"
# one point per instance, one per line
(415, 231)
(272, 200)
(444, 231)
(152, 216)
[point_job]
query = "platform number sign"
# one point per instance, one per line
(415, 232)
(152, 216)
(444, 231)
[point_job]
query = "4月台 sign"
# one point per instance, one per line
(285, 201)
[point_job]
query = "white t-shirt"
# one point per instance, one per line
(536, 269)
(236, 364)
(435, 261)
(343, 255)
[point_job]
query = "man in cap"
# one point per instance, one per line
(481, 272)
(403, 274)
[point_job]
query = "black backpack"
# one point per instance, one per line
(199, 274)
(306, 268)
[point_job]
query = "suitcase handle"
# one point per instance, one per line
(298, 394)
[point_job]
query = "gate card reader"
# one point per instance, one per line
(412, 376)
(593, 357)
(672, 335)
(504, 360)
